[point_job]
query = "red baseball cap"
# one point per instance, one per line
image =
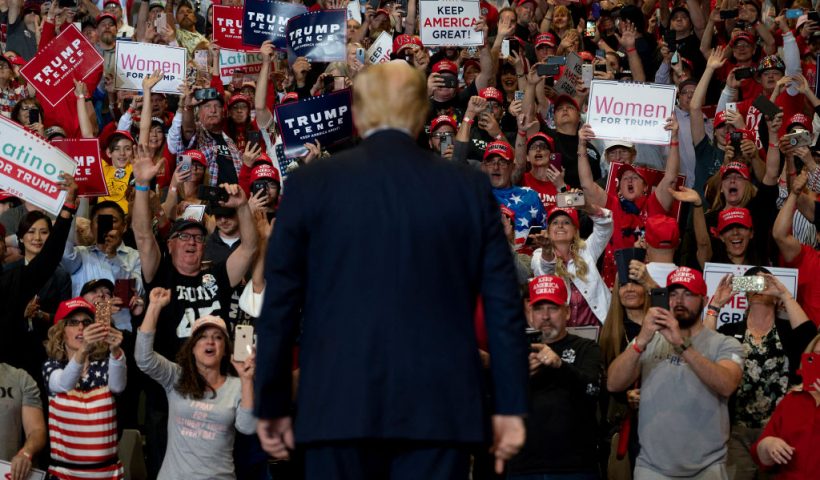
(445, 66)
(263, 170)
(118, 133)
(548, 288)
(570, 212)
(566, 98)
(799, 119)
(688, 278)
(490, 12)
(742, 37)
(522, 2)
(442, 120)
(239, 98)
(290, 97)
(263, 158)
(196, 156)
(738, 167)
(720, 119)
(626, 167)
(733, 216)
(545, 39)
(541, 136)
(662, 232)
(500, 148)
(115, 2)
(405, 40)
(103, 16)
(491, 93)
(471, 62)
(70, 306)
(587, 56)
(381, 11)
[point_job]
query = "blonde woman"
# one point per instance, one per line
(562, 252)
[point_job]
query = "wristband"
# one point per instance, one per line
(141, 188)
(79, 96)
(630, 50)
(674, 144)
(700, 205)
(772, 145)
(25, 454)
(522, 133)
(69, 206)
(499, 136)
(636, 347)
(119, 357)
(172, 188)
(712, 310)
(467, 120)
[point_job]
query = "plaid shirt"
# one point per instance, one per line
(204, 142)
(9, 97)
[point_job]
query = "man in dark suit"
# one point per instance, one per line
(381, 252)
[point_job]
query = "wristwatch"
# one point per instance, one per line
(679, 349)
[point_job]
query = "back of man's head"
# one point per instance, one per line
(393, 95)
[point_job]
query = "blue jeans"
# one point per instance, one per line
(555, 476)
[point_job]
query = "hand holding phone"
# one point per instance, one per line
(243, 346)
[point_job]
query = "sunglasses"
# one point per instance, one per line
(75, 322)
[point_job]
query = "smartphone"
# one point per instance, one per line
(591, 29)
(570, 199)
(534, 230)
(201, 59)
(514, 46)
(450, 81)
(105, 223)
(253, 137)
(728, 14)
(204, 94)
(338, 83)
(814, 16)
(505, 47)
(675, 58)
(809, 370)
(547, 70)
(587, 72)
(745, 72)
(444, 143)
(212, 195)
(375, 4)
(360, 55)
(34, 116)
(103, 311)
(799, 138)
(68, 4)
(659, 297)
(794, 13)
(766, 107)
(754, 283)
(519, 95)
(556, 161)
(195, 212)
(124, 289)
(622, 259)
(243, 342)
(184, 163)
(731, 106)
(160, 22)
(735, 138)
(534, 336)
(602, 67)
(328, 84)
(556, 60)
(600, 53)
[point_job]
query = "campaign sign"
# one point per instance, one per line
(137, 60)
(354, 11)
(267, 20)
(318, 36)
(89, 174)
(652, 176)
(231, 60)
(635, 112)
(450, 23)
(570, 76)
(381, 49)
(734, 311)
(67, 57)
(5, 470)
(227, 24)
(327, 118)
(30, 167)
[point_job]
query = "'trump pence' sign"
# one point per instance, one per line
(734, 310)
(327, 118)
(227, 24)
(318, 36)
(267, 20)
(67, 57)
(89, 174)
(450, 23)
(136, 61)
(30, 167)
(635, 112)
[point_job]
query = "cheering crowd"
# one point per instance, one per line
(122, 312)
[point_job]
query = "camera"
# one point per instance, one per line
(755, 284)
(799, 138)
(570, 199)
(212, 195)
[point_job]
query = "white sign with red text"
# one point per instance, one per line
(136, 61)
(232, 60)
(450, 23)
(30, 167)
(734, 311)
(635, 112)
(381, 49)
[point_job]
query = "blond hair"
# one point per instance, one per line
(581, 267)
(613, 332)
(393, 95)
(55, 345)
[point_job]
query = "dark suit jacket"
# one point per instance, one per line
(381, 252)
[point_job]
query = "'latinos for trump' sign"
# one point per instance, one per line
(267, 20)
(327, 118)
(318, 36)
(450, 23)
(136, 61)
(636, 112)
(230, 61)
(89, 174)
(227, 24)
(66, 58)
(30, 167)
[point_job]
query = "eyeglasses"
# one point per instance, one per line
(198, 238)
(76, 322)
(497, 161)
(540, 146)
(442, 134)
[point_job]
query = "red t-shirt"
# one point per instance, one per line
(807, 263)
(546, 190)
(797, 421)
(789, 104)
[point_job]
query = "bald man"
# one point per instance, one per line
(377, 259)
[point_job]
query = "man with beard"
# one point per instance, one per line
(187, 36)
(688, 373)
(107, 41)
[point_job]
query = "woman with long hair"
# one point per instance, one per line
(562, 252)
(206, 403)
(32, 232)
(85, 368)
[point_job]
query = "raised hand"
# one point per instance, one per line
(717, 58)
(144, 167)
(685, 195)
(150, 81)
(236, 196)
(723, 293)
(159, 297)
